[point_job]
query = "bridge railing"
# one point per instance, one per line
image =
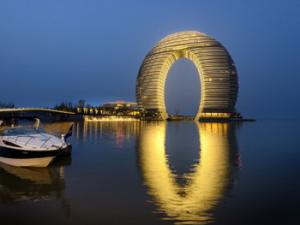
(8, 110)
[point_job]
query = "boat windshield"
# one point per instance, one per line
(21, 131)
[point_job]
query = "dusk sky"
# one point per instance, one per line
(66, 50)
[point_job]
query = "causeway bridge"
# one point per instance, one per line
(41, 113)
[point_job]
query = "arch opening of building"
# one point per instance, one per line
(182, 96)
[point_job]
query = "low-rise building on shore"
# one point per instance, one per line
(117, 108)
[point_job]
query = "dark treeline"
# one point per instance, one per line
(6, 105)
(70, 106)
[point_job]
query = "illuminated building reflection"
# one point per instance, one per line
(207, 183)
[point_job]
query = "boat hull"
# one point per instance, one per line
(28, 158)
(28, 162)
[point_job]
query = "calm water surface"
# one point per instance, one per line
(162, 173)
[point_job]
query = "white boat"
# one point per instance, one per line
(31, 147)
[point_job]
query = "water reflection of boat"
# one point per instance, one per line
(34, 184)
(195, 201)
(23, 184)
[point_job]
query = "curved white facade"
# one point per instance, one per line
(218, 75)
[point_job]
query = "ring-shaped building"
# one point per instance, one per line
(218, 75)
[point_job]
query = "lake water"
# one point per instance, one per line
(162, 173)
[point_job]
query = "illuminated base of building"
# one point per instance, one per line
(217, 115)
(156, 115)
(219, 120)
(222, 117)
(108, 118)
(180, 118)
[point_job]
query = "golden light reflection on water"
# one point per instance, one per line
(206, 184)
(120, 131)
